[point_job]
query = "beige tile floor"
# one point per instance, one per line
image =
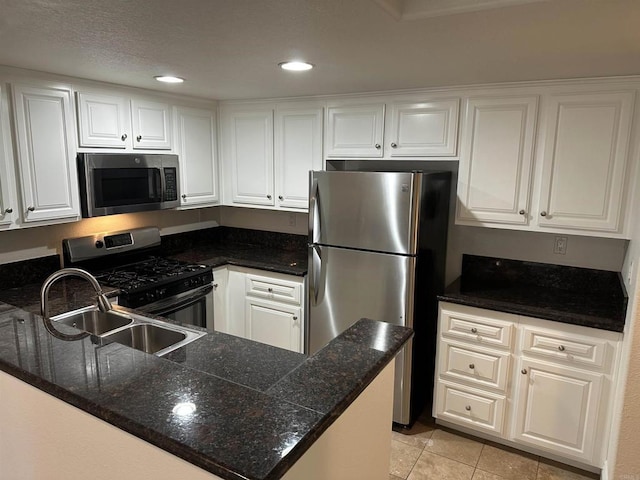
(429, 452)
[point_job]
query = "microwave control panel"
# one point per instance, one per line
(171, 185)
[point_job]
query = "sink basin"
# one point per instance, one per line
(146, 337)
(94, 321)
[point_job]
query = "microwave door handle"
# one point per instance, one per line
(160, 178)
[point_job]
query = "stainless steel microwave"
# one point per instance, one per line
(124, 183)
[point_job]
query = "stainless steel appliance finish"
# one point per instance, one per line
(113, 183)
(377, 243)
(161, 286)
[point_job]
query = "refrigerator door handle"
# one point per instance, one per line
(314, 214)
(316, 270)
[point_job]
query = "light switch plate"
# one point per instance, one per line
(560, 245)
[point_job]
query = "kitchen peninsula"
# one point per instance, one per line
(232, 408)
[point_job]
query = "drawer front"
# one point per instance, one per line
(567, 347)
(480, 367)
(274, 289)
(478, 326)
(470, 407)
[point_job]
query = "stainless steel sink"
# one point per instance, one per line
(94, 321)
(130, 329)
(146, 337)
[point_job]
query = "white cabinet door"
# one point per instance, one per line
(298, 149)
(45, 147)
(196, 147)
(8, 198)
(103, 121)
(423, 129)
(220, 299)
(584, 160)
(247, 142)
(355, 131)
(496, 158)
(556, 408)
(151, 125)
(234, 321)
(274, 324)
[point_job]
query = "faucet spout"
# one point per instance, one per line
(102, 301)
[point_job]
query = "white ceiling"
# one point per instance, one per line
(230, 48)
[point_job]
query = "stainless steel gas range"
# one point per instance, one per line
(130, 261)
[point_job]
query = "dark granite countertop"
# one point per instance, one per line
(579, 296)
(258, 408)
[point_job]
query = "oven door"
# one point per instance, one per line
(194, 307)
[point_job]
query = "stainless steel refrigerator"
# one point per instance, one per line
(377, 245)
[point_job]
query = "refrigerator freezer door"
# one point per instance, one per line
(346, 285)
(366, 210)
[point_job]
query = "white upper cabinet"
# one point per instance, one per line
(247, 149)
(355, 131)
(394, 127)
(496, 157)
(584, 160)
(298, 149)
(107, 120)
(8, 198)
(422, 129)
(196, 147)
(45, 147)
(267, 152)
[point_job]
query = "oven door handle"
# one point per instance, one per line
(175, 302)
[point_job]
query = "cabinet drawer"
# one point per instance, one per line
(481, 367)
(274, 289)
(470, 407)
(475, 326)
(567, 347)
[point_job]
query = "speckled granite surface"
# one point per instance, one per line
(271, 251)
(258, 408)
(580, 296)
(24, 272)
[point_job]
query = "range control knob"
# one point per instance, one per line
(99, 244)
(151, 296)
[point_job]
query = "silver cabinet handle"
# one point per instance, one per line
(523, 371)
(543, 214)
(394, 144)
(269, 197)
(31, 209)
(9, 210)
(561, 348)
(184, 196)
(139, 137)
(472, 366)
(468, 408)
(280, 197)
(474, 330)
(377, 145)
(123, 137)
(522, 212)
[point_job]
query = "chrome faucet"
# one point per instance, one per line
(104, 305)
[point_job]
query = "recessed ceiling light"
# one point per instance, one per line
(295, 66)
(168, 79)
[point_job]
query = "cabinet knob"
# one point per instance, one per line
(269, 197)
(295, 318)
(561, 348)
(523, 371)
(468, 408)
(474, 330)
(270, 290)
(184, 196)
(543, 214)
(215, 285)
(123, 137)
(394, 145)
(280, 197)
(139, 137)
(31, 209)
(377, 145)
(522, 212)
(9, 210)
(472, 366)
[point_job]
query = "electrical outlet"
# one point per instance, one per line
(630, 273)
(560, 245)
(292, 219)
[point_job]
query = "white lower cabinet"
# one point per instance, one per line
(263, 306)
(542, 385)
